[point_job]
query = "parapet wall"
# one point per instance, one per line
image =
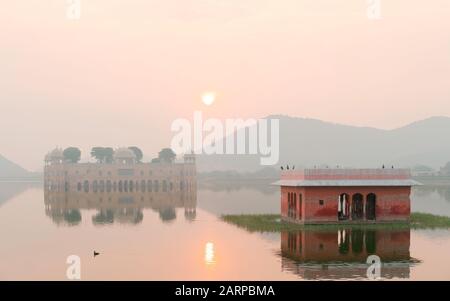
(347, 174)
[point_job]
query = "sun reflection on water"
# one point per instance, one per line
(209, 253)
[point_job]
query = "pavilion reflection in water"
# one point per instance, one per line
(342, 254)
(65, 208)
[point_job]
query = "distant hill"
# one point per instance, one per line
(9, 169)
(309, 142)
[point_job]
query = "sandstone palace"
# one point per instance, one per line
(119, 186)
(124, 173)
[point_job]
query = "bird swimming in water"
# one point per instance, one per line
(96, 253)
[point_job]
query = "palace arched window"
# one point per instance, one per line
(371, 205)
(300, 204)
(149, 186)
(357, 206)
(86, 186)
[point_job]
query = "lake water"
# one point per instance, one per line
(172, 237)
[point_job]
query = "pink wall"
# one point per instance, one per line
(392, 203)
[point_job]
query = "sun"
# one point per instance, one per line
(208, 98)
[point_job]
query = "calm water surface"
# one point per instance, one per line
(173, 237)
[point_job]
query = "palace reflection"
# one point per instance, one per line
(120, 189)
(342, 254)
(65, 208)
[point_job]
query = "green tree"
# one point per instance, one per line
(108, 154)
(102, 154)
(72, 154)
(98, 154)
(167, 155)
(137, 152)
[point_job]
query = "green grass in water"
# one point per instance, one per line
(273, 223)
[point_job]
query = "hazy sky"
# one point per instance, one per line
(125, 70)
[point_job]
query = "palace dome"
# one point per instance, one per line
(124, 153)
(47, 157)
(57, 153)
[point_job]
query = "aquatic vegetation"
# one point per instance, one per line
(273, 223)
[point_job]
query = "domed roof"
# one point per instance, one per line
(124, 153)
(47, 157)
(57, 153)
